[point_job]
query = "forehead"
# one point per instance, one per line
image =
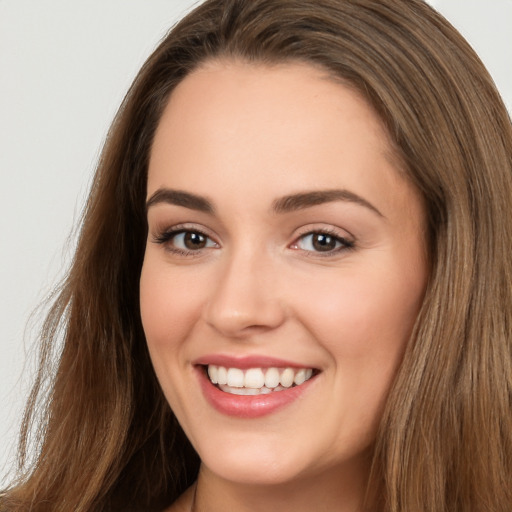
(226, 99)
(280, 128)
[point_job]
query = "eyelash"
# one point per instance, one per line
(166, 237)
(344, 244)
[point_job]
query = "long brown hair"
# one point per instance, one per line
(109, 441)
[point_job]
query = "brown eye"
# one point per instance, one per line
(185, 241)
(323, 242)
(194, 241)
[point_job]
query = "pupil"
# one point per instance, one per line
(194, 241)
(324, 242)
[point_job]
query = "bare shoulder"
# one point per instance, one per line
(183, 503)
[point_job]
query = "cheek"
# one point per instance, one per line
(364, 319)
(364, 324)
(169, 303)
(169, 308)
(358, 315)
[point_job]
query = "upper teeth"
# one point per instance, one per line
(257, 378)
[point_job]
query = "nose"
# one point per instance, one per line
(246, 298)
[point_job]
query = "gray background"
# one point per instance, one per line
(64, 68)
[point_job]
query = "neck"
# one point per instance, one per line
(332, 491)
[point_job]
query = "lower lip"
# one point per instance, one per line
(253, 406)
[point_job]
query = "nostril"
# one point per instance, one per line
(242, 301)
(243, 323)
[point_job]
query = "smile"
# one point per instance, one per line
(253, 386)
(257, 381)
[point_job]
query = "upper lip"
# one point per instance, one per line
(250, 361)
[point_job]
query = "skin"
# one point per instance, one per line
(242, 136)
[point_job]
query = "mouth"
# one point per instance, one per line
(257, 381)
(253, 386)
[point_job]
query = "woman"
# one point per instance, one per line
(292, 288)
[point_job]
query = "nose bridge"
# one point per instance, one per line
(245, 297)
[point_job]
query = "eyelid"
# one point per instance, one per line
(166, 234)
(348, 242)
(163, 229)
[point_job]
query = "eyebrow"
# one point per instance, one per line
(285, 204)
(304, 200)
(180, 198)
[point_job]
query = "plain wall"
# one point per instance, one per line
(64, 68)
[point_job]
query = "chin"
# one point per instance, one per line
(253, 462)
(270, 473)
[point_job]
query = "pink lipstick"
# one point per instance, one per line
(251, 386)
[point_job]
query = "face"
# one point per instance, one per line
(285, 258)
